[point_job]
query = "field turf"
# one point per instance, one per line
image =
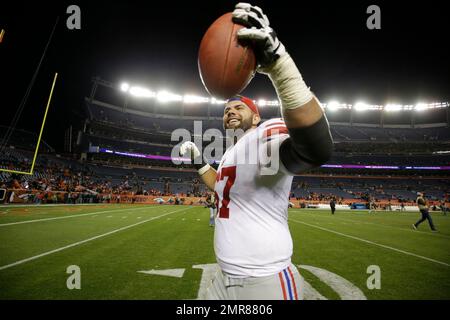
(111, 243)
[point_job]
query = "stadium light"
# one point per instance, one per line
(332, 105)
(165, 96)
(393, 107)
(361, 106)
(261, 103)
(420, 106)
(141, 92)
(273, 103)
(124, 87)
(408, 107)
(189, 98)
(216, 101)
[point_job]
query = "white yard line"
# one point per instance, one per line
(373, 243)
(87, 240)
(410, 229)
(383, 226)
(73, 216)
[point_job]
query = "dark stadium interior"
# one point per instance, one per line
(133, 42)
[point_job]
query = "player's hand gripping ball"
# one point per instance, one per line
(258, 33)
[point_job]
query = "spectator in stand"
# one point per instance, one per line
(167, 187)
(195, 187)
(389, 206)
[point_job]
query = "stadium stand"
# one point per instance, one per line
(93, 174)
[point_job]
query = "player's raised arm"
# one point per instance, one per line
(310, 143)
(206, 172)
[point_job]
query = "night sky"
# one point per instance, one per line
(155, 44)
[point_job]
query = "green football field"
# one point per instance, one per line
(166, 252)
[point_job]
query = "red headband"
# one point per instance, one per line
(248, 102)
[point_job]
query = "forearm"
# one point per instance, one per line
(209, 178)
(305, 116)
(310, 143)
(299, 107)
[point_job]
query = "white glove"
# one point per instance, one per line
(190, 150)
(263, 39)
(271, 56)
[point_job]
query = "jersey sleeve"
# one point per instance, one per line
(273, 133)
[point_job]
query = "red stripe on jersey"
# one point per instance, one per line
(282, 285)
(276, 130)
(293, 283)
(278, 123)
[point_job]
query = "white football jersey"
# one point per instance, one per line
(252, 237)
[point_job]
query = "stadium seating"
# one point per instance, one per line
(149, 133)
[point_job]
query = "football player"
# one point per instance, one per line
(252, 242)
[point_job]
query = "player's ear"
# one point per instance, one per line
(256, 119)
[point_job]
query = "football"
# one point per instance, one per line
(226, 66)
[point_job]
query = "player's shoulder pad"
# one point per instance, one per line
(275, 126)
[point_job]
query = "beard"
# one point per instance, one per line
(244, 124)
